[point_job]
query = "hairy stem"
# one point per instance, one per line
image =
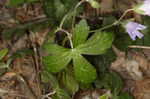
(114, 23)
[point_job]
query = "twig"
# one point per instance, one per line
(37, 66)
(138, 46)
(29, 92)
(48, 95)
(23, 26)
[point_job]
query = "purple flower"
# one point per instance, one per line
(132, 29)
(145, 7)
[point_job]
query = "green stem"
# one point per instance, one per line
(103, 28)
(74, 12)
(114, 23)
(73, 21)
(124, 14)
(63, 20)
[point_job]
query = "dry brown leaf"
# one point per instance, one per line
(143, 62)
(135, 69)
(135, 66)
(142, 89)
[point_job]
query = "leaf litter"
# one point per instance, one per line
(134, 68)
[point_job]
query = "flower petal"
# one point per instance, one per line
(132, 29)
(139, 34)
(132, 35)
(141, 27)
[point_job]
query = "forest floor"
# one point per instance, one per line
(21, 78)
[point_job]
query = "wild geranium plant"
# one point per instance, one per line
(60, 56)
(81, 45)
(83, 41)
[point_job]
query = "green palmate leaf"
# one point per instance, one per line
(97, 44)
(54, 48)
(70, 83)
(3, 52)
(80, 33)
(84, 71)
(56, 63)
